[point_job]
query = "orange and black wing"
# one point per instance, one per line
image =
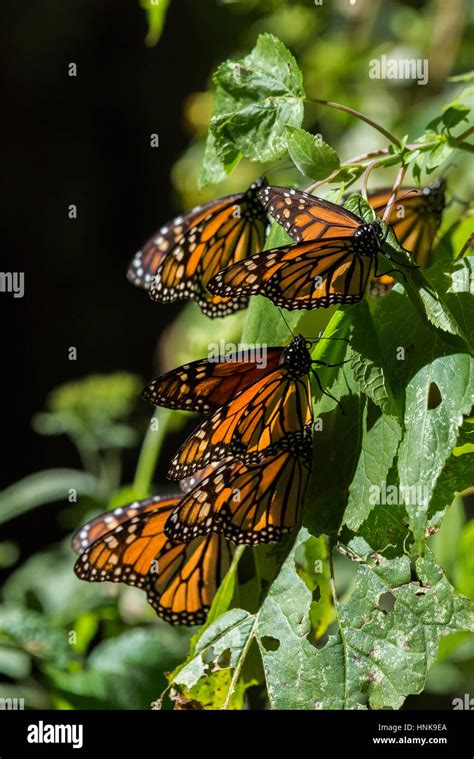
(143, 267)
(188, 576)
(126, 553)
(313, 274)
(225, 231)
(306, 217)
(248, 504)
(205, 385)
(109, 520)
(180, 579)
(251, 426)
(415, 217)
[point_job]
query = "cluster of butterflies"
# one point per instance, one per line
(213, 254)
(243, 471)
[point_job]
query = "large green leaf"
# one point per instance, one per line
(434, 383)
(255, 98)
(386, 640)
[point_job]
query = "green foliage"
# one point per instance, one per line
(385, 470)
(156, 17)
(368, 602)
(387, 636)
(43, 487)
(255, 98)
(311, 155)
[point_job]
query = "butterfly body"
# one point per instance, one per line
(255, 413)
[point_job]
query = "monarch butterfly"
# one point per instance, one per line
(205, 385)
(415, 217)
(178, 261)
(330, 262)
(252, 424)
(247, 503)
(129, 545)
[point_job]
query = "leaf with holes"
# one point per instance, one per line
(434, 380)
(387, 637)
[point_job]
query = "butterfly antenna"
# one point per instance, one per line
(322, 337)
(324, 392)
(284, 319)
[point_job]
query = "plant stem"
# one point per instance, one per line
(358, 115)
(332, 583)
(396, 187)
(365, 176)
(465, 134)
(150, 450)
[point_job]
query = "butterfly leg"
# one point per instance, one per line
(391, 271)
(324, 392)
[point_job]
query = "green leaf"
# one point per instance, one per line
(387, 637)
(426, 298)
(452, 115)
(311, 155)
(214, 168)
(468, 76)
(156, 14)
(44, 487)
(125, 672)
(255, 98)
(367, 360)
(381, 437)
(438, 155)
(31, 632)
(392, 624)
(312, 565)
(336, 429)
(455, 478)
(445, 543)
(434, 386)
(455, 114)
(465, 569)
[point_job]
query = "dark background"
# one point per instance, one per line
(86, 140)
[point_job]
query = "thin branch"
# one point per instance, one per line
(465, 134)
(394, 193)
(358, 115)
(365, 178)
